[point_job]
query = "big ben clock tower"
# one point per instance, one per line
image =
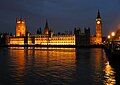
(98, 29)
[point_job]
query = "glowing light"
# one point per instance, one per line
(109, 75)
(56, 40)
(23, 22)
(113, 34)
(108, 37)
(98, 22)
(18, 22)
(16, 41)
(20, 28)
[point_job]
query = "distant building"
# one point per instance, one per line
(82, 38)
(117, 35)
(22, 37)
(20, 27)
(47, 37)
(97, 38)
(46, 29)
(4, 37)
(39, 31)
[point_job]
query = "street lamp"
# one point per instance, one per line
(113, 34)
(108, 36)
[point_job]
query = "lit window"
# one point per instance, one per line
(23, 22)
(18, 22)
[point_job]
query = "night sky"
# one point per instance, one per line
(62, 15)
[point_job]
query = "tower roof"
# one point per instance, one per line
(98, 14)
(46, 29)
(46, 25)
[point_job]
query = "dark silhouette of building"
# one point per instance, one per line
(4, 38)
(39, 31)
(82, 38)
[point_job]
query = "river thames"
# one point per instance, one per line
(51, 66)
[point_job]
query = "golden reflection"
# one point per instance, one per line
(109, 75)
(66, 55)
(58, 61)
(62, 56)
(96, 53)
(17, 57)
(17, 64)
(102, 65)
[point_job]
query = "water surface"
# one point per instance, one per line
(51, 66)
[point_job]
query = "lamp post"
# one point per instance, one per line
(113, 35)
(108, 44)
(108, 37)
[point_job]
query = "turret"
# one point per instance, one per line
(20, 27)
(46, 29)
(98, 14)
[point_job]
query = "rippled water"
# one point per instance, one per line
(50, 66)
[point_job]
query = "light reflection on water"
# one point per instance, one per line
(48, 66)
(44, 66)
(109, 75)
(17, 65)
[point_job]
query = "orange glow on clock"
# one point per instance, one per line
(98, 22)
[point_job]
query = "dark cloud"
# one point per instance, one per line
(61, 14)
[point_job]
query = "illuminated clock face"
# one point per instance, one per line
(98, 22)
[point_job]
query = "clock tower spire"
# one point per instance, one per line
(98, 29)
(46, 29)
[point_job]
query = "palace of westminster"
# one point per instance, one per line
(47, 37)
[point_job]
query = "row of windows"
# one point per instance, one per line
(41, 39)
(61, 42)
(56, 42)
(21, 40)
(62, 38)
(16, 39)
(21, 43)
(57, 39)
